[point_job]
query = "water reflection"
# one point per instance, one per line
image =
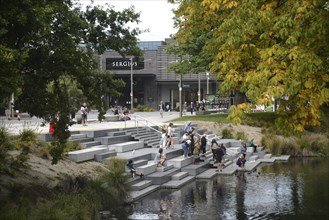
(297, 189)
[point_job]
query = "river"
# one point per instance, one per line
(296, 189)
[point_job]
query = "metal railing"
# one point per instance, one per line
(140, 120)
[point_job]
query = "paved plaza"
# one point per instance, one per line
(137, 119)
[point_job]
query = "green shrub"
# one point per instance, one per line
(241, 136)
(117, 165)
(227, 133)
(27, 135)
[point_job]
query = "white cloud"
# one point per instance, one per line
(155, 15)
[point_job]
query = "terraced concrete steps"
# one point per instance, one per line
(161, 177)
(90, 144)
(127, 146)
(114, 140)
(179, 162)
(87, 154)
(179, 176)
(135, 195)
(141, 185)
(175, 184)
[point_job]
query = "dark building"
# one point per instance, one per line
(152, 82)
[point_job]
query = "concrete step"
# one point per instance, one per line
(145, 134)
(86, 154)
(175, 184)
(90, 144)
(98, 133)
(114, 140)
(135, 195)
(179, 162)
(115, 133)
(159, 178)
(77, 136)
(141, 185)
(147, 169)
(179, 176)
(100, 157)
(195, 169)
(163, 169)
(127, 146)
(111, 118)
(267, 156)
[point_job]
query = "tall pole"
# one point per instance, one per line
(207, 82)
(199, 88)
(180, 95)
(131, 85)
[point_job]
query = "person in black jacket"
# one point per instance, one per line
(132, 169)
(203, 144)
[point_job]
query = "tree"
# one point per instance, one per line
(46, 45)
(265, 49)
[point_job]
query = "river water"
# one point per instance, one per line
(296, 189)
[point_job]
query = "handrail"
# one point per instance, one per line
(146, 123)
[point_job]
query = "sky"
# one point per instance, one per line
(155, 15)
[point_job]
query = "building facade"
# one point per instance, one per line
(152, 82)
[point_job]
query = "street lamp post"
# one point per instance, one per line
(199, 89)
(131, 85)
(180, 95)
(207, 82)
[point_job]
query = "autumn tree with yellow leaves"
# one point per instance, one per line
(265, 49)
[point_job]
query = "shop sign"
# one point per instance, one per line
(123, 64)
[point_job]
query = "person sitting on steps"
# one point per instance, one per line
(160, 158)
(132, 169)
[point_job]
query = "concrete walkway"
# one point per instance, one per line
(150, 118)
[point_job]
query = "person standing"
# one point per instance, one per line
(203, 144)
(84, 112)
(186, 141)
(220, 152)
(192, 107)
(170, 135)
(164, 139)
(161, 108)
(184, 108)
(191, 134)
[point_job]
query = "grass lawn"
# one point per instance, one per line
(222, 118)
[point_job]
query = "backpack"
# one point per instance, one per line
(238, 162)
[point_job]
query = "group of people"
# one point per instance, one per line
(192, 143)
(123, 113)
(195, 145)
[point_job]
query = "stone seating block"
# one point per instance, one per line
(114, 140)
(111, 118)
(141, 185)
(250, 149)
(77, 136)
(253, 158)
(147, 169)
(163, 169)
(127, 146)
(100, 157)
(86, 154)
(180, 162)
(46, 137)
(267, 156)
(179, 176)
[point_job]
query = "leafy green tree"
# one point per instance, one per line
(47, 45)
(265, 49)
